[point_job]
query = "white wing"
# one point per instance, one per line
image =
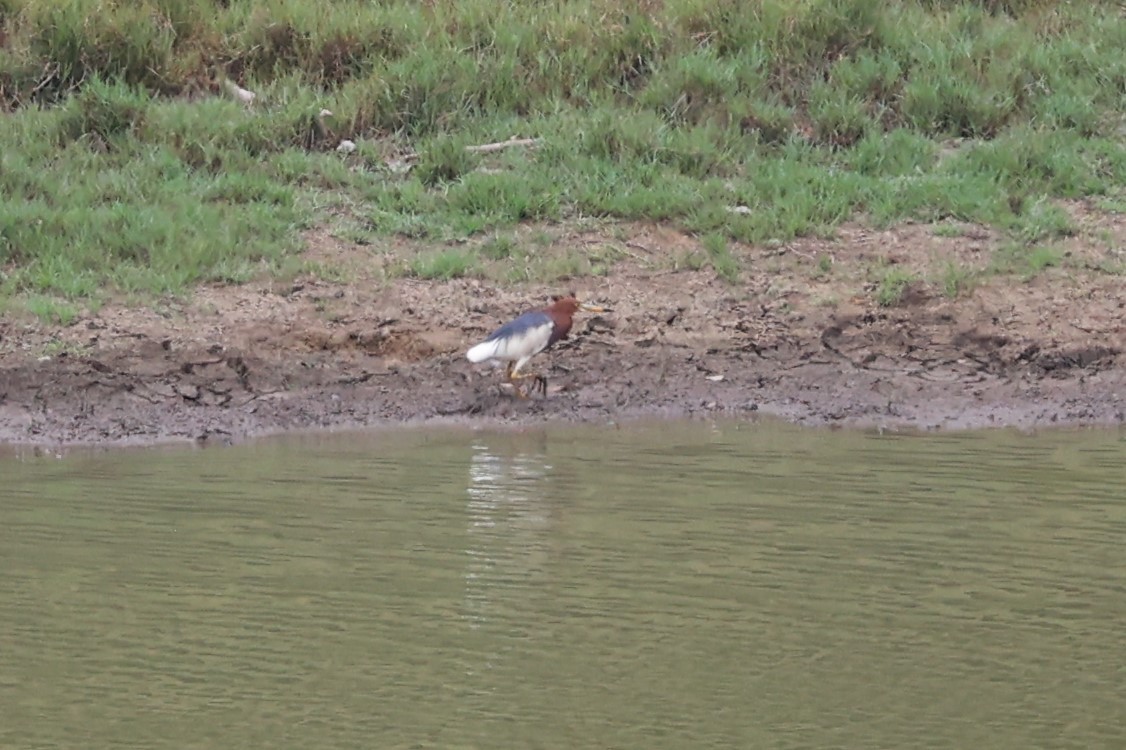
(515, 345)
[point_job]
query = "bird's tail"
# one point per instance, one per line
(484, 350)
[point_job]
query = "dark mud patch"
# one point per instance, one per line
(236, 362)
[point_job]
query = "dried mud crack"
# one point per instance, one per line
(236, 362)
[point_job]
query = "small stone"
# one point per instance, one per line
(190, 392)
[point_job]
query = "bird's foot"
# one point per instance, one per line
(517, 391)
(539, 383)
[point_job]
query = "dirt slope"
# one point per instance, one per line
(788, 339)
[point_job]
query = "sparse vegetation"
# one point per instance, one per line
(948, 229)
(123, 165)
(1115, 204)
(892, 285)
(723, 262)
(824, 266)
(52, 310)
(446, 264)
(957, 279)
(691, 260)
(1026, 261)
(1043, 256)
(499, 247)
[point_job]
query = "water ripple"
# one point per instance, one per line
(673, 586)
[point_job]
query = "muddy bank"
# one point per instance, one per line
(235, 362)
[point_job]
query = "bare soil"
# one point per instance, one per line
(800, 336)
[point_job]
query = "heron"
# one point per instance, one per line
(518, 340)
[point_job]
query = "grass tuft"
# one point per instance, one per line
(499, 247)
(957, 279)
(444, 265)
(445, 161)
(723, 262)
(892, 285)
(52, 310)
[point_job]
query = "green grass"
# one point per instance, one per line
(499, 247)
(1043, 257)
(957, 279)
(948, 230)
(723, 262)
(123, 168)
(444, 265)
(1115, 204)
(52, 310)
(1026, 261)
(824, 266)
(892, 285)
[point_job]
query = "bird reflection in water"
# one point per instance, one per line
(508, 515)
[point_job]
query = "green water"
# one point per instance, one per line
(679, 586)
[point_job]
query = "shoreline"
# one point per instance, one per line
(89, 405)
(230, 363)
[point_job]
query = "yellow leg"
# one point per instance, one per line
(539, 383)
(511, 376)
